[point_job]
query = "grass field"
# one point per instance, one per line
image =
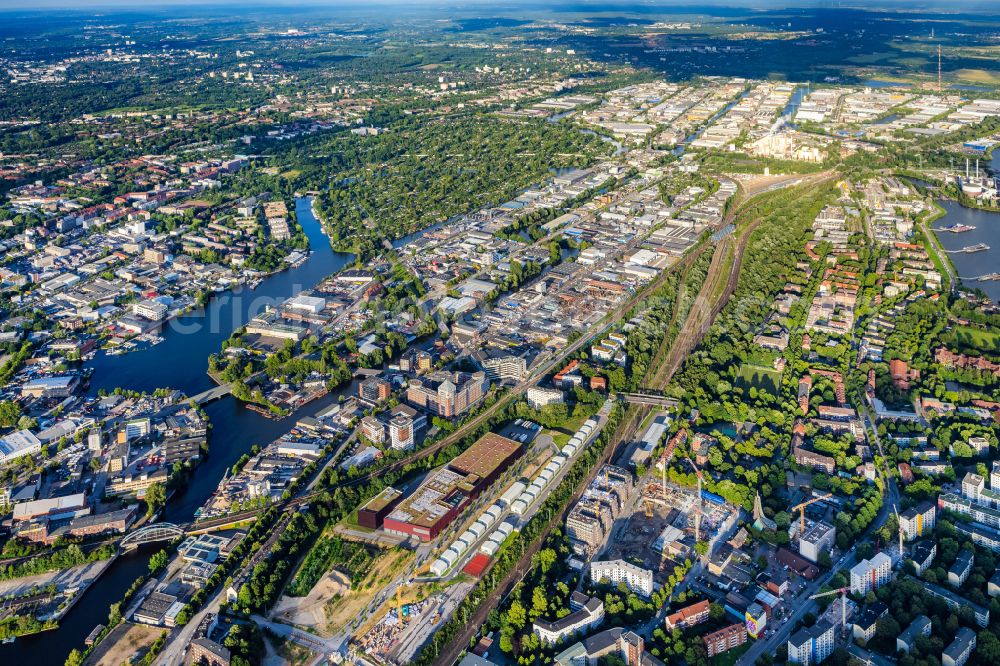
(977, 338)
(760, 377)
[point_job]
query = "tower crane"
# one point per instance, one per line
(801, 508)
(843, 603)
(698, 506)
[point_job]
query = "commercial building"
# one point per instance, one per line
(921, 626)
(725, 639)
(447, 491)
(373, 513)
(374, 390)
(447, 394)
(688, 616)
(919, 520)
(637, 579)
(55, 508)
(755, 619)
(51, 387)
(151, 309)
(958, 652)
(17, 444)
(811, 645)
(871, 574)
(818, 538)
(586, 613)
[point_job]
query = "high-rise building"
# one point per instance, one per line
(812, 645)
(401, 432)
(919, 520)
(871, 574)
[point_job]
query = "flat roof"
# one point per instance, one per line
(485, 456)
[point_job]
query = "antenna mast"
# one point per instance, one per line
(939, 68)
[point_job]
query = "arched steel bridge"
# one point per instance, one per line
(151, 533)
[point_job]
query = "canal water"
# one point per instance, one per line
(972, 265)
(180, 362)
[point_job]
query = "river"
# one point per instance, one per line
(180, 362)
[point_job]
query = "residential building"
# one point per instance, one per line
(636, 578)
(958, 652)
(811, 645)
(688, 616)
(956, 602)
(919, 520)
(586, 613)
(871, 574)
(373, 429)
(867, 619)
(614, 641)
(959, 572)
(921, 626)
(725, 639)
(539, 397)
(922, 553)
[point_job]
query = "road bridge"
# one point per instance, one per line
(211, 394)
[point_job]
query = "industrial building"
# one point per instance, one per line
(450, 489)
(373, 513)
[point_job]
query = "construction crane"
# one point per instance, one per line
(899, 527)
(843, 603)
(399, 605)
(698, 507)
(801, 508)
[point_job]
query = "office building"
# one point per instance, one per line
(505, 367)
(151, 309)
(450, 489)
(16, 444)
(401, 432)
(374, 390)
(818, 538)
(539, 397)
(447, 394)
(203, 652)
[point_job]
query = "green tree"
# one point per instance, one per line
(156, 498)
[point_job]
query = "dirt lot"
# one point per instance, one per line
(123, 642)
(332, 603)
